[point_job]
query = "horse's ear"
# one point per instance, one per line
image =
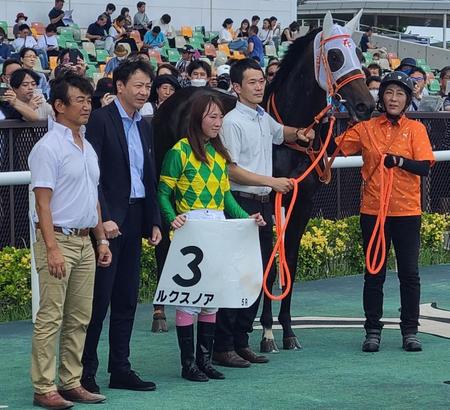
(327, 25)
(353, 24)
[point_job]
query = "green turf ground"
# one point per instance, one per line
(330, 372)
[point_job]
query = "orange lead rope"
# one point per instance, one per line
(375, 259)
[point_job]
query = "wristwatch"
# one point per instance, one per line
(103, 242)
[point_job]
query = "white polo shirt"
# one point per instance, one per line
(248, 135)
(56, 162)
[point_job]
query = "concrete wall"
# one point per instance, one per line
(183, 12)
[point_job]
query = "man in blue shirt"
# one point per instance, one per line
(154, 39)
(255, 46)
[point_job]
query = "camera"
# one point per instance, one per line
(224, 82)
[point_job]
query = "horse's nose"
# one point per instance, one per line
(364, 109)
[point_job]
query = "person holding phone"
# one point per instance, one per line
(70, 59)
(12, 108)
(24, 83)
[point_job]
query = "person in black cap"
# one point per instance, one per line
(162, 88)
(406, 65)
(186, 57)
(103, 94)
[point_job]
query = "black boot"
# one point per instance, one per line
(189, 371)
(372, 342)
(411, 343)
(205, 339)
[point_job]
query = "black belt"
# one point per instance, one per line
(133, 201)
(260, 198)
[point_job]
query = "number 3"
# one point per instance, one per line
(193, 266)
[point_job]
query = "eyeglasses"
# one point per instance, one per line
(417, 78)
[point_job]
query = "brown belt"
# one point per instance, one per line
(70, 232)
(260, 198)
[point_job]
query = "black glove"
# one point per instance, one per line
(391, 161)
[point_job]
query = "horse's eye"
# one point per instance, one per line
(335, 59)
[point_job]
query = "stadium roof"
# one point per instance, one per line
(403, 7)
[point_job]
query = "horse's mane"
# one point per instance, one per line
(290, 60)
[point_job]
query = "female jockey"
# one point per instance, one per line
(202, 159)
(392, 142)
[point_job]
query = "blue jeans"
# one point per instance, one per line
(238, 45)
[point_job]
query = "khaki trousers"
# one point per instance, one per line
(65, 311)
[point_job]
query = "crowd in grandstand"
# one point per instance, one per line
(125, 67)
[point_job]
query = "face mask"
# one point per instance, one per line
(407, 71)
(201, 82)
(21, 22)
(374, 94)
(121, 58)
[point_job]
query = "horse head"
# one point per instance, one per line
(338, 68)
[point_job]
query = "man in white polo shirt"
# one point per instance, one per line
(248, 133)
(64, 178)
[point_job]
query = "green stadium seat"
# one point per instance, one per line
(86, 57)
(199, 29)
(426, 68)
(91, 69)
(434, 87)
(173, 55)
(199, 36)
(4, 26)
(196, 43)
(368, 57)
(71, 44)
(421, 61)
(67, 33)
(61, 41)
(154, 63)
(102, 55)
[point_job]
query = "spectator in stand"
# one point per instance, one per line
(120, 54)
(373, 84)
(20, 19)
(419, 77)
(364, 43)
(64, 63)
(24, 84)
(120, 34)
(103, 94)
(28, 57)
(110, 9)
(255, 45)
(290, 33)
(140, 55)
(125, 12)
(375, 70)
(167, 68)
(271, 70)
(162, 88)
(49, 41)
(166, 28)
(255, 20)
(276, 31)
(186, 57)
(10, 106)
(98, 35)
(154, 39)
(199, 73)
(228, 36)
(266, 33)
(26, 40)
(9, 66)
(444, 79)
(56, 14)
(365, 71)
(140, 19)
(242, 31)
(5, 48)
(406, 65)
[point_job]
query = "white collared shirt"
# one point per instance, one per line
(56, 162)
(248, 135)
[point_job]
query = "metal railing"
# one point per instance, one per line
(340, 198)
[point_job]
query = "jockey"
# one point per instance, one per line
(392, 143)
(192, 171)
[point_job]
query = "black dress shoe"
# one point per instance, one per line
(248, 354)
(88, 382)
(130, 381)
(230, 359)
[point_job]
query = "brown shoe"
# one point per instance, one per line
(248, 354)
(229, 359)
(81, 395)
(51, 400)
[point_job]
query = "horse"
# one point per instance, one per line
(298, 93)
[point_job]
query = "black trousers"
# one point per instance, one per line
(234, 325)
(404, 232)
(117, 286)
(161, 251)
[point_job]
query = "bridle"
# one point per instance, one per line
(281, 221)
